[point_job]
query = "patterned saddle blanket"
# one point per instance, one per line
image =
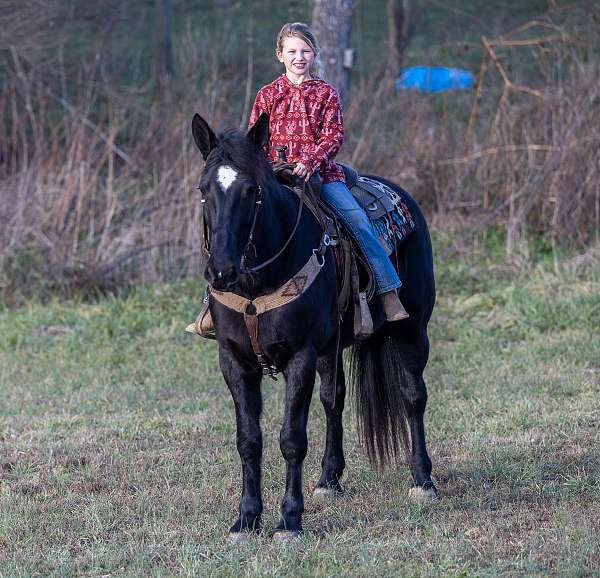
(389, 214)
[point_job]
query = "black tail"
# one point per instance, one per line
(376, 377)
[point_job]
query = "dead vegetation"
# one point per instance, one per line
(99, 189)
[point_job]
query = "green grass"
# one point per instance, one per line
(117, 442)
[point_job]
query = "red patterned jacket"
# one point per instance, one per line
(307, 118)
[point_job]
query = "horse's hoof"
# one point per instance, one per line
(238, 537)
(286, 535)
(326, 494)
(420, 494)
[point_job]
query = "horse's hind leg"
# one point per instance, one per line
(414, 391)
(332, 398)
(423, 487)
(300, 379)
(245, 390)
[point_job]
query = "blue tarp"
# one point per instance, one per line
(434, 79)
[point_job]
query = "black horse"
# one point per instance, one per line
(249, 217)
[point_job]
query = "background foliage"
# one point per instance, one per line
(97, 169)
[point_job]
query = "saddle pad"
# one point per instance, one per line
(389, 214)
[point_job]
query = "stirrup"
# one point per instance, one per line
(203, 326)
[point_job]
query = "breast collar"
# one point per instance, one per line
(291, 290)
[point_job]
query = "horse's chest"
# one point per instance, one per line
(278, 334)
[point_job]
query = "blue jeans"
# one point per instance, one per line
(344, 205)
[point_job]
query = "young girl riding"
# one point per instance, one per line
(305, 116)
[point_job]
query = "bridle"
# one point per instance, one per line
(250, 243)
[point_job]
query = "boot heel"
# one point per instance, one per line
(393, 308)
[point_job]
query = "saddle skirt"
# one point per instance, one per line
(390, 216)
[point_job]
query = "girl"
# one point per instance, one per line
(305, 116)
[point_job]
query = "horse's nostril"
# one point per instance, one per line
(220, 278)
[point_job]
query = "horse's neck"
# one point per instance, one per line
(275, 223)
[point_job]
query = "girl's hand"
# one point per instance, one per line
(301, 171)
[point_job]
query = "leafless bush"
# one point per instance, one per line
(100, 190)
(531, 167)
(80, 209)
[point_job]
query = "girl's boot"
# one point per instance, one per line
(203, 325)
(393, 308)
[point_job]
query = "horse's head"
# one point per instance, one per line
(236, 168)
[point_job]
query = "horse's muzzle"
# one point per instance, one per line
(221, 278)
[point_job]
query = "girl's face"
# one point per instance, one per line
(297, 56)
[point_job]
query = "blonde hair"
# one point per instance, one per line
(304, 32)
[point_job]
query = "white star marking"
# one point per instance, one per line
(226, 176)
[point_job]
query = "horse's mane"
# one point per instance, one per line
(235, 148)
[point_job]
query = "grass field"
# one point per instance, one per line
(117, 442)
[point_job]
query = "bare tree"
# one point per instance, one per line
(249, 68)
(165, 42)
(401, 26)
(332, 23)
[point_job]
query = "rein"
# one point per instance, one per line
(250, 242)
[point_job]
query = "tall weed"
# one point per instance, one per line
(97, 189)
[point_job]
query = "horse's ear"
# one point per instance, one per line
(259, 133)
(204, 137)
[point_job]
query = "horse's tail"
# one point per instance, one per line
(376, 376)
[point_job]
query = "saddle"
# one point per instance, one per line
(391, 219)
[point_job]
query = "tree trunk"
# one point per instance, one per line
(164, 43)
(249, 69)
(400, 28)
(332, 23)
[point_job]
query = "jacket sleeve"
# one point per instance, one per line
(261, 104)
(330, 139)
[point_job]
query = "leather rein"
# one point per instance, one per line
(250, 242)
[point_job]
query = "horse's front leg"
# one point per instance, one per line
(300, 379)
(332, 398)
(245, 389)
